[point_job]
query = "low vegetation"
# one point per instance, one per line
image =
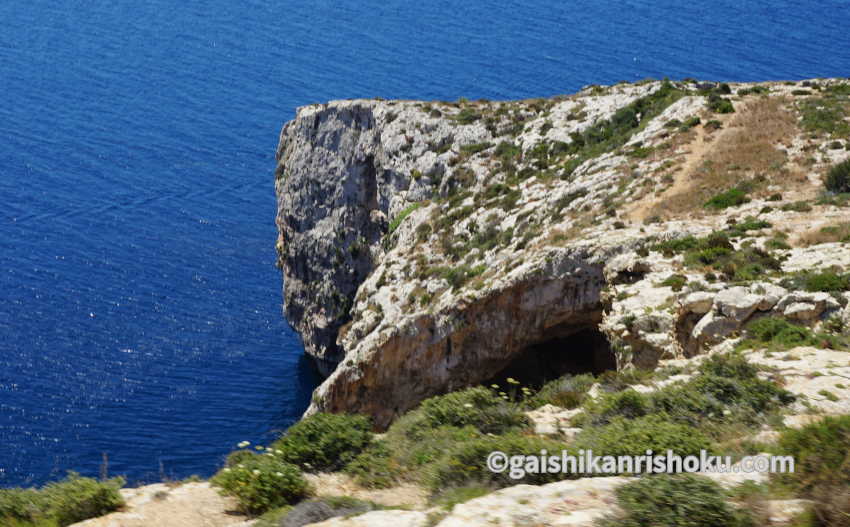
(402, 216)
(263, 482)
(715, 253)
(821, 451)
(838, 178)
(62, 503)
(746, 152)
(324, 442)
(777, 334)
(681, 500)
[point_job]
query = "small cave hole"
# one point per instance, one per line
(561, 351)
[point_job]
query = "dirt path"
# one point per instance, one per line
(338, 484)
(702, 143)
(158, 505)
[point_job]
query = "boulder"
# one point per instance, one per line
(737, 303)
(801, 311)
(713, 327)
(699, 302)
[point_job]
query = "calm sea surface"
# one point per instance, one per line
(139, 303)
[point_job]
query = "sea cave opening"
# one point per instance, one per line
(560, 351)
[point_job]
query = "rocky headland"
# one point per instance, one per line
(431, 246)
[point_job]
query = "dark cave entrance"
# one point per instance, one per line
(562, 351)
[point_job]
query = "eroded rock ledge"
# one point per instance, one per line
(427, 246)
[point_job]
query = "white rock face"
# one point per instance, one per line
(552, 420)
(426, 246)
(737, 303)
(699, 302)
(578, 502)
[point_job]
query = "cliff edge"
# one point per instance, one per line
(429, 246)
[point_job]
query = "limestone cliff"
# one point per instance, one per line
(427, 246)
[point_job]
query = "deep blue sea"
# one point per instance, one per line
(139, 303)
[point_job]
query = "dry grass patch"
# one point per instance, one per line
(746, 149)
(836, 232)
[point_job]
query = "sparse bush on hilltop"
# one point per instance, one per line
(719, 104)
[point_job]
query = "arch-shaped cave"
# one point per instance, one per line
(559, 351)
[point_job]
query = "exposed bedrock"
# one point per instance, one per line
(429, 246)
(531, 330)
(332, 205)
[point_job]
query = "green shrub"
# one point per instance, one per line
(325, 442)
(628, 403)
(466, 463)
(568, 391)
(61, 503)
(727, 389)
(777, 334)
(675, 281)
(262, 483)
(238, 456)
(374, 467)
(719, 104)
(717, 252)
(730, 198)
(754, 90)
(615, 381)
(76, 498)
(678, 500)
(821, 452)
(838, 178)
(467, 116)
(474, 148)
(826, 115)
(457, 276)
(478, 407)
(797, 206)
(731, 365)
(507, 151)
(686, 405)
(731, 380)
(402, 216)
(827, 281)
(633, 437)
